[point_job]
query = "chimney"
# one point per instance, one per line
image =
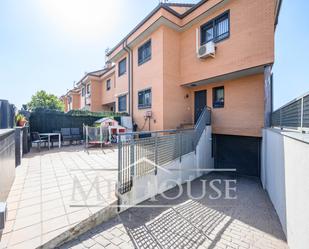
(108, 64)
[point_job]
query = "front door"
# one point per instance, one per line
(200, 101)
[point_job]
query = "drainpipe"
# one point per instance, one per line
(84, 86)
(130, 77)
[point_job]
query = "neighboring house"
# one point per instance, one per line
(71, 100)
(89, 93)
(182, 57)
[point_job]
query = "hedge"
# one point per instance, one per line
(45, 121)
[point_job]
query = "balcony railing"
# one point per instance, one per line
(293, 115)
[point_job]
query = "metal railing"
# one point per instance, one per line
(141, 156)
(295, 114)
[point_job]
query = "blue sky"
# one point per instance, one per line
(49, 44)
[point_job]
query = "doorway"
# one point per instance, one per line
(200, 101)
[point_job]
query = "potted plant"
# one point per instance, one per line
(20, 120)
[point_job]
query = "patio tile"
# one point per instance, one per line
(30, 195)
(50, 197)
(79, 215)
(8, 227)
(53, 213)
(42, 194)
(54, 224)
(30, 202)
(48, 205)
(51, 235)
(27, 221)
(12, 206)
(25, 234)
(26, 211)
(11, 215)
(33, 243)
(4, 241)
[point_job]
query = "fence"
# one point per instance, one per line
(293, 115)
(7, 115)
(45, 121)
(141, 156)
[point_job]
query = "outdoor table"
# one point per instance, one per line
(52, 134)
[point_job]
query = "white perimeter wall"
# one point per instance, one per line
(171, 174)
(285, 176)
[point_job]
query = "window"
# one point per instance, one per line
(83, 91)
(144, 53)
(88, 89)
(218, 97)
(108, 85)
(216, 30)
(144, 99)
(122, 103)
(122, 67)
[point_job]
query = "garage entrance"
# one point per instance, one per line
(237, 152)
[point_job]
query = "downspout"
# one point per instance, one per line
(130, 77)
(84, 86)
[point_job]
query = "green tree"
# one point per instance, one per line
(43, 100)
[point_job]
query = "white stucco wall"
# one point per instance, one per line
(285, 176)
(171, 174)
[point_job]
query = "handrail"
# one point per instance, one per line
(201, 116)
(139, 156)
(171, 130)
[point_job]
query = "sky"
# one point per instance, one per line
(49, 44)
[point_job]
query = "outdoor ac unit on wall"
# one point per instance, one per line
(2, 215)
(206, 50)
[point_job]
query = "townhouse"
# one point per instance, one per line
(183, 57)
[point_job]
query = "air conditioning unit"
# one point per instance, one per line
(206, 50)
(3, 212)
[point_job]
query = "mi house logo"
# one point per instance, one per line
(152, 183)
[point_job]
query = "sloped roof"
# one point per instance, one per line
(167, 7)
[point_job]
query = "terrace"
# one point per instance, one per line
(66, 196)
(40, 203)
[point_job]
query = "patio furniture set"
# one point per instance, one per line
(48, 139)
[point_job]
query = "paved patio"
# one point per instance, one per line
(40, 205)
(250, 221)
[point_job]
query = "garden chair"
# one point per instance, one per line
(37, 139)
(76, 135)
(66, 134)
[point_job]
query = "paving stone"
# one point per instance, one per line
(88, 243)
(199, 224)
(103, 241)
